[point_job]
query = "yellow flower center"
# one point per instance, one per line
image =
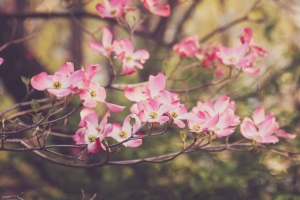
(57, 84)
(153, 115)
(98, 128)
(123, 134)
(232, 59)
(92, 138)
(93, 93)
(196, 127)
(128, 58)
(174, 114)
(113, 11)
(108, 48)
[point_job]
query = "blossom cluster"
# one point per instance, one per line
(242, 57)
(154, 104)
(123, 49)
(116, 8)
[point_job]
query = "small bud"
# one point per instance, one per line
(182, 136)
(132, 121)
(25, 80)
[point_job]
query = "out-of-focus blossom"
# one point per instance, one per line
(1, 60)
(189, 47)
(261, 129)
(106, 47)
(154, 8)
(113, 8)
(247, 37)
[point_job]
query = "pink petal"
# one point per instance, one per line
(41, 81)
(133, 143)
(96, 46)
(283, 134)
(127, 45)
(134, 93)
(251, 71)
(221, 104)
(1, 60)
(163, 11)
(67, 68)
(88, 114)
(157, 83)
(115, 108)
(270, 139)
(142, 55)
(88, 100)
(94, 147)
(248, 129)
(106, 37)
(259, 115)
(224, 132)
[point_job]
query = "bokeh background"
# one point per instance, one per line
(59, 31)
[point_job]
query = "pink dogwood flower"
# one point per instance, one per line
(58, 84)
(1, 60)
(218, 117)
(189, 47)
(151, 5)
(154, 112)
(96, 93)
(130, 58)
(261, 129)
(113, 8)
(121, 133)
(237, 56)
(247, 37)
(180, 114)
(106, 47)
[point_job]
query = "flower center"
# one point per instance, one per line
(123, 134)
(98, 128)
(174, 114)
(128, 58)
(153, 115)
(57, 84)
(107, 48)
(232, 59)
(92, 138)
(93, 93)
(196, 127)
(113, 11)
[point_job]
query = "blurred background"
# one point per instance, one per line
(57, 31)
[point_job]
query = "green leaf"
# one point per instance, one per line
(35, 105)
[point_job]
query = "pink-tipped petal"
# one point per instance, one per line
(259, 115)
(95, 146)
(114, 108)
(106, 37)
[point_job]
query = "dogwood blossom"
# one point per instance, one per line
(1, 60)
(106, 47)
(121, 133)
(91, 132)
(130, 58)
(113, 8)
(189, 47)
(58, 84)
(261, 129)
